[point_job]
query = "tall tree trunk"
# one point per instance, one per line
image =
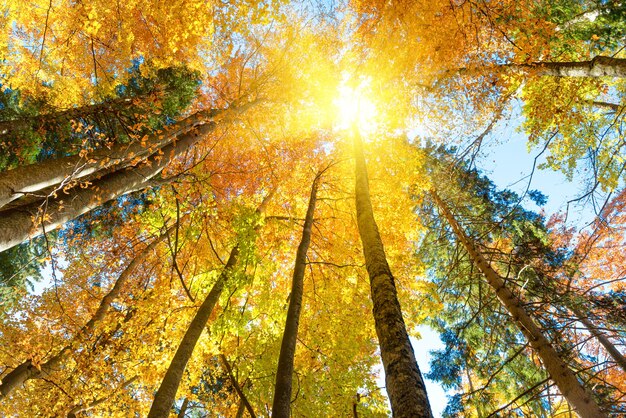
(610, 348)
(166, 394)
(599, 66)
(27, 369)
(565, 379)
(19, 224)
(404, 382)
(35, 177)
(32, 178)
(281, 407)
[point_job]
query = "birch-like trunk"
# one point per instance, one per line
(68, 170)
(599, 66)
(166, 394)
(19, 224)
(569, 386)
(404, 382)
(32, 178)
(281, 407)
(27, 370)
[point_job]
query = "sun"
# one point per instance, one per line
(354, 109)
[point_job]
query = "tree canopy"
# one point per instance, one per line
(213, 208)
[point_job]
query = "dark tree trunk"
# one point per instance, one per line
(404, 382)
(281, 407)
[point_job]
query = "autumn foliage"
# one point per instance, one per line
(187, 186)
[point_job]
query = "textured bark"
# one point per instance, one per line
(166, 394)
(60, 171)
(281, 407)
(404, 382)
(20, 224)
(27, 370)
(610, 348)
(599, 66)
(569, 386)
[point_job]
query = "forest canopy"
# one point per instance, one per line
(252, 208)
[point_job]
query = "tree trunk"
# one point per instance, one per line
(83, 408)
(166, 394)
(615, 354)
(599, 66)
(19, 224)
(281, 407)
(27, 370)
(35, 177)
(32, 178)
(559, 372)
(404, 382)
(183, 408)
(237, 387)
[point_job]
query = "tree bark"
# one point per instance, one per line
(32, 178)
(404, 382)
(599, 66)
(27, 370)
(19, 224)
(166, 394)
(183, 408)
(61, 171)
(569, 386)
(281, 407)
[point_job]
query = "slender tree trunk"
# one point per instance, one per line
(19, 224)
(615, 354)
(569, 386)
(166, 394)
(404, 382)
(281, 407)
(27, 370)
(82, 408)
(183, 408)
(238, 389)
(35, 177)
(240, 409)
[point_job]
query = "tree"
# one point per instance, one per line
(281, 406)
(404, 382)
(266, 109)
